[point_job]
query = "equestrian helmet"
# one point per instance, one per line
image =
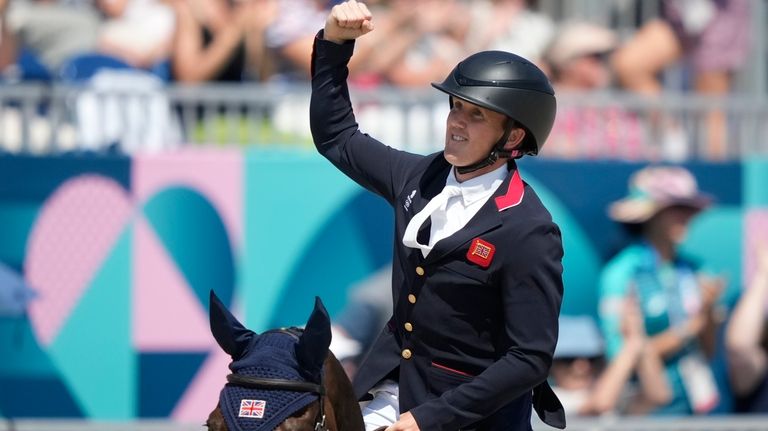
(508, 84)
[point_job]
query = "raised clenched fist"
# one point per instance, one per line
(347, 21)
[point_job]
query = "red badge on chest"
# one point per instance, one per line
(481, 252)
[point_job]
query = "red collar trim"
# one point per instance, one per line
(515, 193)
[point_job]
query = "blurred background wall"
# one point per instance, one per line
(122, 251)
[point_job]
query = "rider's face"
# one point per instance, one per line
(471, 132)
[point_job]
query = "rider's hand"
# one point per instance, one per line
(347, 21)
(405, 423)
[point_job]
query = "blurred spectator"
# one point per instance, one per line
(677, 302)
(53, 31)
(397, 33)
(289, 37)
(137, 31)
(7, 38)
(209, 43)
(577, 362)
(509, 25)
(430, 36)
(578, 63)
(577, 56)
(711, 35)
(415, 44)
(747, 341)
(587, 386)
(15, 294)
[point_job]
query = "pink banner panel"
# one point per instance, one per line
(216, 173)
(167, 316)
(77, 227)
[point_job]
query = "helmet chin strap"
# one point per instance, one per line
(496, 153)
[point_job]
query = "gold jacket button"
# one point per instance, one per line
(412, 298)
(408, 326)
(406, 354)
(419, 270)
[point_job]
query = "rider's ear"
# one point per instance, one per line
(231, 335)
(314, 342)
(515, 139)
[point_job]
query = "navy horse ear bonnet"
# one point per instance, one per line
(271, 355)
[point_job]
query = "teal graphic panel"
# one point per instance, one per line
(581, 260)
(195, 236)
(353, 242)
(292, 228)
(756, 183)
(93, 351)
(290, 195)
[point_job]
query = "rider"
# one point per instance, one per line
(476, 290)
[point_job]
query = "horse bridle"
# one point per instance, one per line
(285, 385)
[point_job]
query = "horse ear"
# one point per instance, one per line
(312, 347)
(231, 335)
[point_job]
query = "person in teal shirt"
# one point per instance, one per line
(676, 298)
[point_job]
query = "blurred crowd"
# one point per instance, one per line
(414, 44)
(664, 341)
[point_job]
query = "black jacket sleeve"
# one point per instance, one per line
(373, 165)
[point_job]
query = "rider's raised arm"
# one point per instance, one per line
(335, 132)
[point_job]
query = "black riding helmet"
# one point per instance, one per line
(508, 84)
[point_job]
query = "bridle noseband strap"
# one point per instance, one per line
(275, 384)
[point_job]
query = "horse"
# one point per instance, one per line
(283, 379)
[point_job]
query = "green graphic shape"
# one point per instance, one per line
(194, 235)
(93, 351)
(285, 205)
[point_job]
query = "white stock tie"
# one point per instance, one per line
(437, 202)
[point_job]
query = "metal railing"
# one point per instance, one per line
(36, 119)
(625, 17)
(41, 119)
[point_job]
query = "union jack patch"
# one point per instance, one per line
(252, 408)
(481, 252)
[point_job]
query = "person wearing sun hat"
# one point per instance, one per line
(677, 301)
(578, 54)
(655, 188)
(579, 66)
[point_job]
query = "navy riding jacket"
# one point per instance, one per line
(475, 323)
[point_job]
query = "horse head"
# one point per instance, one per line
(283, 379)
